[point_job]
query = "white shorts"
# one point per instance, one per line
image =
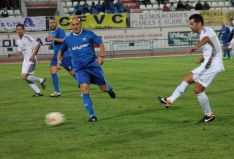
(28, 67)
(205, 77)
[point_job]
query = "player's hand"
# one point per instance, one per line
(100, 60)
(59, 66)
(32, 59)
(9, 55)
(50, 38)
(191, 50)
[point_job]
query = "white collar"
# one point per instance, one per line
(79, 33)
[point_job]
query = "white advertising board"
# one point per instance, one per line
(30, 23)
(159, 19)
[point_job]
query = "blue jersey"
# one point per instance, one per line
(224, 32)
(81, 48)
(58, 33)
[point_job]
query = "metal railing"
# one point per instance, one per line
(113, 48)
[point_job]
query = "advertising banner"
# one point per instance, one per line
(215, 16)
(186, 38)
(158, 19)
(30, 23)
(100, 21)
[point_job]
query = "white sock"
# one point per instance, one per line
(204, 102)
(34, 79)
(34, 86)
(179, 91)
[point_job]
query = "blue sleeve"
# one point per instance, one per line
(96, 39)
(61, 34)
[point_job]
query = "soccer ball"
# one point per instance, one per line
(54, 119)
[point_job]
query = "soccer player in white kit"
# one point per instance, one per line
(28, 47)
(210, 65)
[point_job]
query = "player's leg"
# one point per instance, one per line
(67, 65)
(54, 75)
(204, 102)
(226, 50)
(108, 88)
(42, 81)
(32, 84)
(29, 69)
(31, 77)
(178, 92)
(98, 78)
(84, 83)
(202, 83)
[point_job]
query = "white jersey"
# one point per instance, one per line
(26, 46)
(212, 55)
(212, 51)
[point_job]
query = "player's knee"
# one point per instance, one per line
(84, 89)
(53, 70)
(24, 77)
(198, 90)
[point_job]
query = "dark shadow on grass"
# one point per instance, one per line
(135, 112)
(138, 112)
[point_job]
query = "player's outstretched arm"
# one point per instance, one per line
(35, 51)
(17, 53)
(102, 54)
(59, 59)
(51, 38)
(202, 42)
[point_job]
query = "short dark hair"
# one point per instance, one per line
(197, 18)
(52, 18)
(20, 25)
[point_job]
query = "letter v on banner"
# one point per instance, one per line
(99, 21)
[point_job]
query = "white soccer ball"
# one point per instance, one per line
(54, 118)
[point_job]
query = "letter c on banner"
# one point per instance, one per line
(64, 21)
(117, 18)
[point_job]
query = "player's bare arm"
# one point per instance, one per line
(102, 54)
(51, 38)
(202, 42)
(35, 51)
(17, 53)
(59, 58)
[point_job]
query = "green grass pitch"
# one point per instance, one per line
(134, 125)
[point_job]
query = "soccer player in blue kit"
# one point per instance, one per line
(86, 64)
(224, 34)
(57, 36)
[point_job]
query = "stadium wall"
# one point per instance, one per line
(149, 32)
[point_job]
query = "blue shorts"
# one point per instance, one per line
(225, 43)
(92, 75)
(66, 63)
